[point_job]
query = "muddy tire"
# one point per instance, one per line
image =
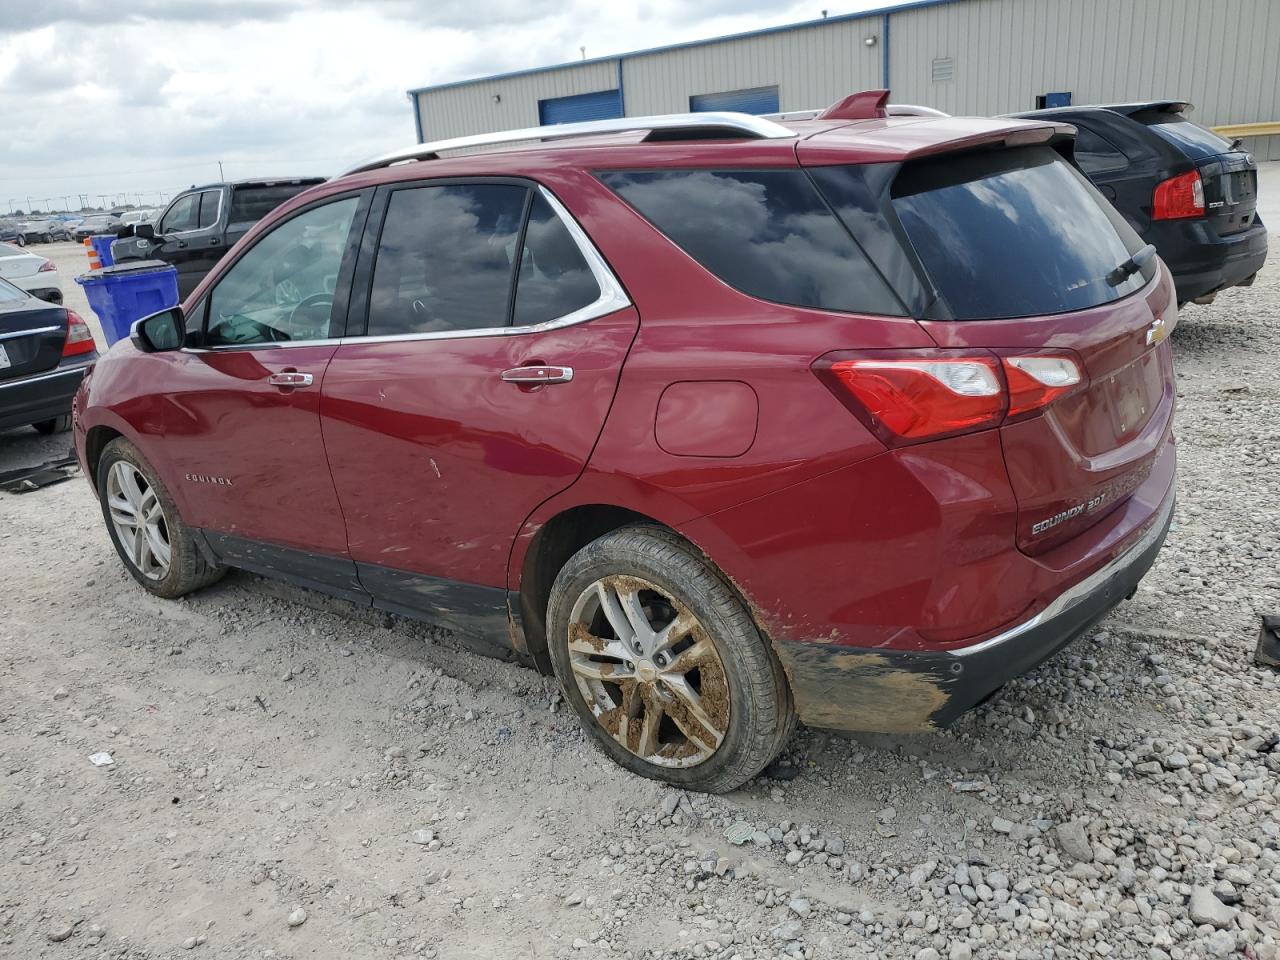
(664, 664)
(157, 548)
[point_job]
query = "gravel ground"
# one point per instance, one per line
(295, 779)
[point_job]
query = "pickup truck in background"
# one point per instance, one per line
(202, 223)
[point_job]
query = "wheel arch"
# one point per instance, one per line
(95, 441)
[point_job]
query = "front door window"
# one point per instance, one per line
(282, 290)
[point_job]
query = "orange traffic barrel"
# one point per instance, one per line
(94, 262)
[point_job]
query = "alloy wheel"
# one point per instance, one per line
(138, 518)
(648, 671)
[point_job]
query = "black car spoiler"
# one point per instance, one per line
(1157, 106)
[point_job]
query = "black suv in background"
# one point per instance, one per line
(200, 224)
(1181, 187)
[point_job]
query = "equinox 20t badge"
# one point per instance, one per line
(1069, 514)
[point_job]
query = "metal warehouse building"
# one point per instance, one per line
(960, 56)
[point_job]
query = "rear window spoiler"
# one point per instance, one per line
(1152, 106)
(925, 138)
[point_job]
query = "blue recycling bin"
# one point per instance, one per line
(102, 247)
(127, 292)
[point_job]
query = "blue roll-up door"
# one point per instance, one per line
(758, 100)
(602, 105)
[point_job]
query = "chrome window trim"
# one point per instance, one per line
(1075, 594)
(31, 333)
(612, 299)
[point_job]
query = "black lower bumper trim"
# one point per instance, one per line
(894, 691)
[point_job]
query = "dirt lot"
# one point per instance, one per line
(295, 779)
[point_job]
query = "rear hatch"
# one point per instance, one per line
(1229, 175)
(1016, 255)
(32, 334)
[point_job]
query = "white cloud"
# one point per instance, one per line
(147, 95)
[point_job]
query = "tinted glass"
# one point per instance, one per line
(1192, 138)
(1014, 233)
(1096, 155)
(446, 259)
(181, 216)
(766, 232)
(554, 277)
(251, 204)
(209, 201)
(9, 293)
(282, 289)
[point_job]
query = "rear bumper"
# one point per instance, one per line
(847, 688)
(1203, 262)
(41, 396)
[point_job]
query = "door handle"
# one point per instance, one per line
(538, 373)
(290, 379)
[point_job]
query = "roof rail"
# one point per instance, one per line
(670, 127)
(890, 109)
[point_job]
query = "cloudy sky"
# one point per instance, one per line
(111, 96)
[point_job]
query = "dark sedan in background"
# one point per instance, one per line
(97, 225)
(45, 350)
(1181, 187)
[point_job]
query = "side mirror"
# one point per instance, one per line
(161, 331)
(146, 231)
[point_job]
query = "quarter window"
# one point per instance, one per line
(766, 232)
(281, 290)
(182, 216)
(1096, 155)
(554, 277)
(446, 258)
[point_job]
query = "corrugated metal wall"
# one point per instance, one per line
(811, 67)
(459, 110)
(1222, 55)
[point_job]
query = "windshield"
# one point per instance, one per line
(1014, 233)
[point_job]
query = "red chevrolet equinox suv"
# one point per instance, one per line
(726, 421)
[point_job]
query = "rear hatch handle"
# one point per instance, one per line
(1131, 266)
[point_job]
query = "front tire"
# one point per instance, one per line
(55, 425)
(664, 664)
(157, 548)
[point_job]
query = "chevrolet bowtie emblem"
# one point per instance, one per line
(1156, 332)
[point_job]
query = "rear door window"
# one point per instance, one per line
(446, 258)
(210, 202)
(1014, 233)
(767, 233)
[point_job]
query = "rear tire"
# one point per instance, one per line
(157, 548)
(712, 673)
(56, 425)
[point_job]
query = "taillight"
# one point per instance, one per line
(1179, 197)
(914, 395)
(79, 337)
(46, 267)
